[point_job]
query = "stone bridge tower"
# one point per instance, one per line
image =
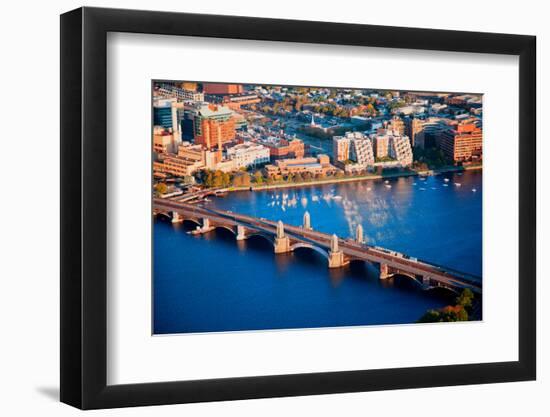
(335, 255)
(282, 242)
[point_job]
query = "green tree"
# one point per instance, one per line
(465, 298)
(161, 188)
(258, 177)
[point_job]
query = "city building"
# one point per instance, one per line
(341, 148)
(192, 152)
(222, 89)
(248, 154)
(169, 90)
(353, 152)
(413, 126)
(397, 125)
(209, 124)
(177, 166)
(313, 166)
(392, 149)
(234, 102)
(401, 150)
(164, 140)
(381, 145)
(462, 141)
(284, 148)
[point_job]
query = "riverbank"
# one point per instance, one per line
(329, 181)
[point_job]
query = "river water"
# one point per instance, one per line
(213, 283)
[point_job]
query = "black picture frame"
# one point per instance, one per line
(84, 207)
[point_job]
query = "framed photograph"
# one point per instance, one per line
(257, 208)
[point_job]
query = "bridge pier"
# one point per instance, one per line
(241, 234)
(426, 282)
(385, 271)
(176, 218)
(282, 242)
(205, 228)
(335, 255)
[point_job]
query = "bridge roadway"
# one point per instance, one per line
(398, 263)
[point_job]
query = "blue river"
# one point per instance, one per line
(212, 283)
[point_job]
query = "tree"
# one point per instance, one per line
(258, 177)
(465, 298)
(161, 188)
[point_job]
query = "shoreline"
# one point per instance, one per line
(330, 181)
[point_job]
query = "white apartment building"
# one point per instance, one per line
(356, 147)
(248, 154)
(400, 150)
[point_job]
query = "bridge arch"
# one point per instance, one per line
(164, 214)
(260, 234)
(409, 277)
(219, 226)
(317, 249)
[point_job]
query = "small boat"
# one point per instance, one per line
(337, 197)
(446, 179)
(458, 184)
(387, 181)
(388, 186)
(422, 189)
(474, 190)
(445, 185)
(414, 183)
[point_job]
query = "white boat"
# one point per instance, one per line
(458, 184)
(474, 190)
(446, 179)
(445, 185)
(337, 197)
(388, 186)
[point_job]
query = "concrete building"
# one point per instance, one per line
(222, 89)
(462, 141)
(284, 148)
(397, 125)
(401, 150)
(381, 145)
(210, 124)
(341, 148)
(353, 152)
(394, 147)
(177, 166)
(164, 140)
(248, 154)
(314, 166)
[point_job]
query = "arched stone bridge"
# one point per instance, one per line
(338, 252)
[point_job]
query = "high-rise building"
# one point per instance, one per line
(462, 141)
(211, 125)
(353, 151)
(397, 125)
(401, 150)
(413, 126)
(381, 145)
(341, 148)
